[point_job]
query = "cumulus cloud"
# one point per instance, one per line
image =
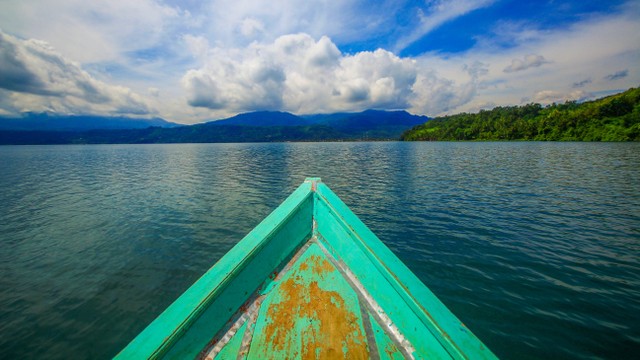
(14, 74)
(437, 94)
(300, 74)
(551, 96)
(617, 75)
(582, 83)
(248, 82)
(91, 31)
(584, 55)
(529, 61)
(228, 56)
(250, 27)
(198, 46)
(243, 21)
(37, 78)
(153, 91)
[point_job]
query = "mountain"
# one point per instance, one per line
(46, 122)
(612, 118)
(183, 134)
(367, 117)
(262, 118)
(371, 124)
(262, 126)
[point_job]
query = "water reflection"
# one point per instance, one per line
(535, 246)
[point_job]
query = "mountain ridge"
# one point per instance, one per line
(46, 122)
(261, 126)
(261, 118)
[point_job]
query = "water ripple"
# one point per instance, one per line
(536, 247)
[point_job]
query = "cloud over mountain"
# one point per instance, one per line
(617, 75)
(300, 74)
(550, 96)
(46, 81)
(194, 60)
(529, 61)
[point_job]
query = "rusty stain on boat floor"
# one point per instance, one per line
(309, 311)
(330, 329)
(288, 290)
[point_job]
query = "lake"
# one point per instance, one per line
(534, 246)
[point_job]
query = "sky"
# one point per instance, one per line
(191, 61)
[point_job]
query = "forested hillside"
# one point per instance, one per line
(613, 118)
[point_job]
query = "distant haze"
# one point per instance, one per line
(261, 126)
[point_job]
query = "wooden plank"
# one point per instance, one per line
(373, 262)
(386, 346)
(313, 313)
(338, 241)
(228, 284)
(232, 348)
(343, 295)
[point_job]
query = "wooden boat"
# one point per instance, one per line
(311, 281)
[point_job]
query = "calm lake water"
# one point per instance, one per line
(534, 246)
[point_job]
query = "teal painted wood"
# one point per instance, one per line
(387, 349)
(399, 314)
(419, 308)
(167, 330)
(312, 286)
(230, 351)
(334, 234)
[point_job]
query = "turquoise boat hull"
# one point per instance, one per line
(311, 281)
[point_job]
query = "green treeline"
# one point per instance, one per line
(613, 118)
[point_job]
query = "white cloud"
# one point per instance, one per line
(37, 78)
(529, 61)
(251, 27)
(314, 76)
(437, 94)
(300, 74)
(198, 46)
(582, 83)
(586, 55)
(617, 75)
(234, 23)
(228, 56)
(243, 81)
(550, 96)
(91, 31)
(437, 13)
(153, 91)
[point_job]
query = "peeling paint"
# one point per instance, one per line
(356, 301)
(330, 330)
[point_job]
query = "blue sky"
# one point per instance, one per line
(191, 61)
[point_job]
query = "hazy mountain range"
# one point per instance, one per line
(46, 122)
(258, 126)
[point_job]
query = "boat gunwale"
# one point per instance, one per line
(184, 311)
(446, 329)
(441, 322)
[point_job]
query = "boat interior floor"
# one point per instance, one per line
(314, 307)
